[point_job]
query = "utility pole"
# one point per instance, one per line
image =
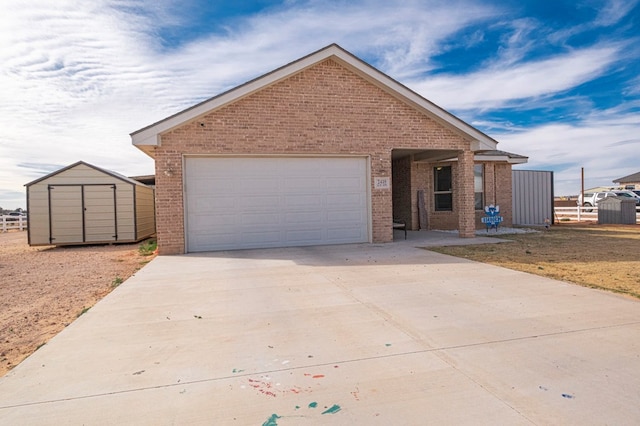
(582, 184)
(581, 193)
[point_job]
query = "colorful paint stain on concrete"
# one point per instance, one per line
(332, 410)
(266, 387)
(272, 420)
(356, 394)
(314, 376)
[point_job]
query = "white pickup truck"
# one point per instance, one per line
(591, 198)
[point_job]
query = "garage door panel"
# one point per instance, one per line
(345, 217)
(305, 218)
(224, 184)
(305, 185)
(204, 240)
(261, 238)
(304, 235)
(244, 202)
(342, 234)
(259, 219)
(345, 200)
(255, 186)
(341, 185)
(206, 205)
(262, 203)
(203, 220)
(304, 202)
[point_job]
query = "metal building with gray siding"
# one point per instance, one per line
(532, 197)
(84, 204)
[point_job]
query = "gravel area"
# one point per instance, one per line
(43, 289)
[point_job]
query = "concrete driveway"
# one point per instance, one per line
(359, 334)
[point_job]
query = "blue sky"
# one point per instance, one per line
(556, 80)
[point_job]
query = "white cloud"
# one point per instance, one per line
(395, 33)
(605, 146)
(493, 87)
(76, 78)
(516, 43)
(613, 11)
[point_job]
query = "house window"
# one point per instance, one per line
(443, 195)
(478, 185)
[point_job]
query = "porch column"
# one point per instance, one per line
(465, 195)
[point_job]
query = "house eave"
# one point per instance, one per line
(492, 158)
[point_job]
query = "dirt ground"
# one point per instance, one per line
(43, 289)
(592, 255)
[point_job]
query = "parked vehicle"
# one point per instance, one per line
(591, 198)
(14, 216)
(628, 194)
(637, 192)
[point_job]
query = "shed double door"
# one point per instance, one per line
(82, 213)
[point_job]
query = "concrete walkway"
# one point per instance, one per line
(359, 334)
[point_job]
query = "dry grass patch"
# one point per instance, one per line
(598, 256)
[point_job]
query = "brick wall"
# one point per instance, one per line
(497, 191)
(504, 192)
(464, 194)
(402, 190)
(325, 109)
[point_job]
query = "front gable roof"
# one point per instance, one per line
(149, 137)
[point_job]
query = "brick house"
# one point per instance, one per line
(324, 150)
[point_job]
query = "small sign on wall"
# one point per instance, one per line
(382, 182)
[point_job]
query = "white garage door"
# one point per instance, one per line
(237, 203)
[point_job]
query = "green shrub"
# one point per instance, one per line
(148, 247)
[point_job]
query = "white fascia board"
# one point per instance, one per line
(146, 139)
(484, 144)
(491, 158)
(518, 160)
(504, 158)
(485, 158)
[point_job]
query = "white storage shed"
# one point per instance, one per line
(84, 204)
